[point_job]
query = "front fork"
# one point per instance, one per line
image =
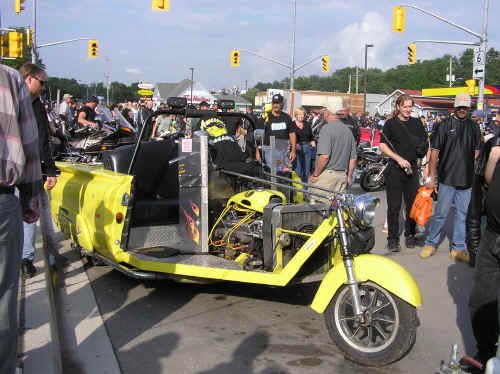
(352, 283)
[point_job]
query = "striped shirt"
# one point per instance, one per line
(19, 159)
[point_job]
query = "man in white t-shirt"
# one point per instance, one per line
(65, 108)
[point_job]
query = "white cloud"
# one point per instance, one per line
(135, 71)
(346, 47)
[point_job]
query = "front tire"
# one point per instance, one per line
(389, 330)
(371, 180)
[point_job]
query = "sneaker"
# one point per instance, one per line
(462, 256)
(428, 251)
(410, 241)
(393, 245)
(28, 270)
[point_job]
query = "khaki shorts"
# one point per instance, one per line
(331, 179)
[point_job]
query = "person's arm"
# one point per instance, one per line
(350, 171)
(155, 125)
(320, 167)
(403, 163)
(293, 141)
(81, 119)
(433, 163)
(492, 163)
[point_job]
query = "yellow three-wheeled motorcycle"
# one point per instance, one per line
(162, 209)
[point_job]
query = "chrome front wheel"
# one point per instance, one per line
(385, 331)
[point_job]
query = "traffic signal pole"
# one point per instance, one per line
(482, 43)
(33, 42)
(291, 66)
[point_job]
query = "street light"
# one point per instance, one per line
(192, 74)
(366, 74)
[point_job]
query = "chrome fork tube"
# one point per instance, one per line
(352, 283)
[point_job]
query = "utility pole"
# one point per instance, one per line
(349, 89)
(33, 42)
(366, 75)
(192, 76)
(292, 70)
(482, 51)
(479, 70)
(357, 77)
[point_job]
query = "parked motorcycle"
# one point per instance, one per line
(86, 144)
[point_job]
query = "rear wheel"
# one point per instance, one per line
(387, 332)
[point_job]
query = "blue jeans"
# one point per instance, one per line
(47, 228)
(446, 197)
(303, 157)
(11, 242)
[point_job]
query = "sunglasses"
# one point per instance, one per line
(462, 108)
(42, 82)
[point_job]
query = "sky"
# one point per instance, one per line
(137, 44)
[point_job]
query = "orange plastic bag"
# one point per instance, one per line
(421, 209)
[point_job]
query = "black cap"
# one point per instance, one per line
(204, 103)
(93, 99)
(277, 98)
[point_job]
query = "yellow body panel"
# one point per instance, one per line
(91, 224)
(279, 277)
(378, 269)
(255, 199)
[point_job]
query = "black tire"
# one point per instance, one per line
(367, 181)
(396, 319)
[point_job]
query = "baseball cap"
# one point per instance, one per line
(67, 96)
(277, 98)
(93, 99)
(462, 99)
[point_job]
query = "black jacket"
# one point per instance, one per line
(46, 160)
(476, 206)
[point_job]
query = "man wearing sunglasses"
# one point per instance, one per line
(455, 145)
(36, 78)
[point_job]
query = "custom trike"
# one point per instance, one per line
(163, 209)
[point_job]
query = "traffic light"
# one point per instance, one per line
(15, 44)
(235, 57)
(92, 48)
(17, 6)
(163, 5)
(398, 24)
(29, 36)
(4, 45)
(325, 63)
(411, 53)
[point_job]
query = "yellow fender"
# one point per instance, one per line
(378, 269)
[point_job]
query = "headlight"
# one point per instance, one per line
(364, 208)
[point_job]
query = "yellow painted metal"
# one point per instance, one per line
(84, 204)
(241, 258)
(451, 91)
(381, 270)
(275, 278)
(256, 200)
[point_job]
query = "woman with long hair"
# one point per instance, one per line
(305, 144)
(404, 140)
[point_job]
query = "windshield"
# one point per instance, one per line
(105, 115)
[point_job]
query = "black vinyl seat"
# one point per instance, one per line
(156, 182)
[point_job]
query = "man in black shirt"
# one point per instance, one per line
(86, 116)
(278, 124)
(485, 295)
(455, 144)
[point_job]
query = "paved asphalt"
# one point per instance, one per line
(164, 327)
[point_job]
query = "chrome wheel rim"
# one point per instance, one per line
(381, 319)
